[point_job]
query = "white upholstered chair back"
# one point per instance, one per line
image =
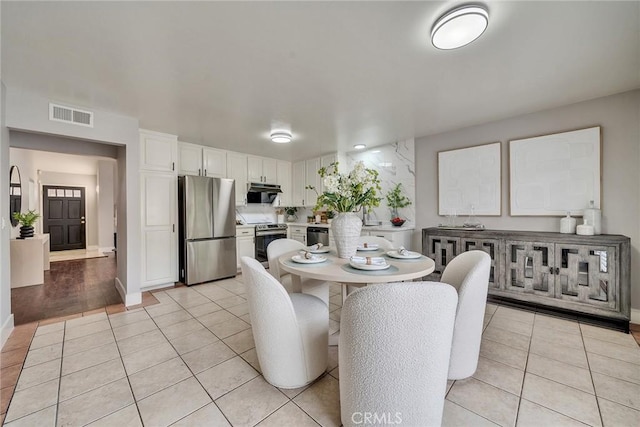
(314, 287)
(290, 331)
(469, 274)
(382, 243)
(275, 250)
(395, 342)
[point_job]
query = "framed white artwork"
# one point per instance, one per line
(469, 181)
(554, 174)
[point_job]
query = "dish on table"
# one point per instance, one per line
(368, 248)
(361, 266)
(405, 255)
(302, 260)
(322, 250)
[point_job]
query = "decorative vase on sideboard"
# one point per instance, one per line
(26, 231)
(346, 227)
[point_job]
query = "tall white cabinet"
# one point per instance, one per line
(158, 198)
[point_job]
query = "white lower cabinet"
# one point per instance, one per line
(397, 238)
(297, 232)
(245, 244)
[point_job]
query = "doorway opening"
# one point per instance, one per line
(76, 196)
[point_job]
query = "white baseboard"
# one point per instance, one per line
(160, 286)
(635, 316)
(133, 298)
(106, 249)
(7, 328)
(92, 248)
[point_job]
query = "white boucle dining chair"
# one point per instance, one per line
(395, 342)
(314, 287)
(468, 273)
(291, 331)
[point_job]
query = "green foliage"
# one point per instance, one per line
(395, 198)
(348, 192)
(27, 219)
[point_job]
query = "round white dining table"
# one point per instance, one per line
(338, 270)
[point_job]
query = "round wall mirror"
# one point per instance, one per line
(15, 193)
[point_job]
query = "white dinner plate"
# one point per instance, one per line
(360, 266)
(407, 255)
(302, 260)
(362, 248)
(322, 250)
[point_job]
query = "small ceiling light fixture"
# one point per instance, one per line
(359, 146)
(459, 27)
(281, 137)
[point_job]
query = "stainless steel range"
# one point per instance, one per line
(265, 234)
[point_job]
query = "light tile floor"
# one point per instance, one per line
(190, 360)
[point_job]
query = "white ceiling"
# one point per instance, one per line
(340, 73)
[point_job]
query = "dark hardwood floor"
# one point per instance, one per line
(69, 287)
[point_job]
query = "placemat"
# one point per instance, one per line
(390, 258)
(303, 265)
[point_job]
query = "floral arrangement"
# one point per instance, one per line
(348, 192)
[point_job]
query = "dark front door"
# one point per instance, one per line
(64, 218)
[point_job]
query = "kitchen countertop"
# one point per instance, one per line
(364, 227)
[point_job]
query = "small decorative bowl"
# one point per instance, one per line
(398, 223)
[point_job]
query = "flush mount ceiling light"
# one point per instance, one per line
(359, 146)
(459, 27)
(281, 137)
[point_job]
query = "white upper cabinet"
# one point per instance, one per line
(195, 159)
(284, 180)
(237, 169)
(261, 169)
(158, 151)
(214, 162)
(297, 183)
(189, 159)
(313, 179)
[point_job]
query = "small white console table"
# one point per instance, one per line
(29, 260)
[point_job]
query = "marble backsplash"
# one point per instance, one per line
(395, 164)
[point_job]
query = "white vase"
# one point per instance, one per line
(346, 228)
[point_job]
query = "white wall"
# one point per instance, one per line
(29, 112)
(619, 117)
(106, 203)
(6, 318)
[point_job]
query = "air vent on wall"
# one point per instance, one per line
(60, 113)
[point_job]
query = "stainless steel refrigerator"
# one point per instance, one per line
(207, 229)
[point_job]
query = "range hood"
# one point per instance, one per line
(259, 187)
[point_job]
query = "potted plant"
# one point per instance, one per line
(291, 213)
(395, 201)
(347, 194)
(26, 220)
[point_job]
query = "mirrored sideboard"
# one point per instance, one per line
(586, 275)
